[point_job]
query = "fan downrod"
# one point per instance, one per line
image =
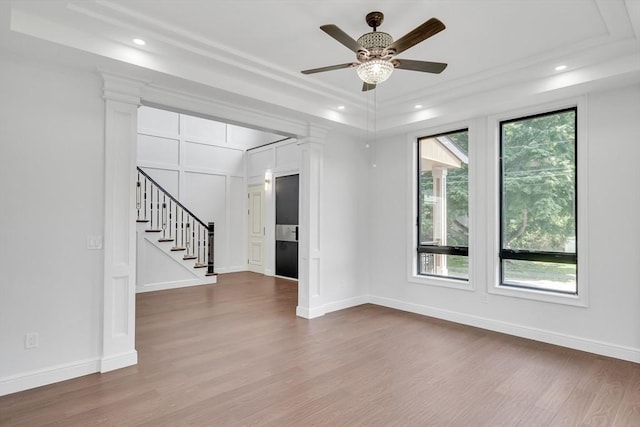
(374, 19)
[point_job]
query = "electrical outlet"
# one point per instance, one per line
(31, 340)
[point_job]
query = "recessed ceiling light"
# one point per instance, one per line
(139, 42)
(340, 107)
(417, 106)
(561, 67)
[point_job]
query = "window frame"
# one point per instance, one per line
(494, 180)
(436, 249)
(413, 178)
(533, 255)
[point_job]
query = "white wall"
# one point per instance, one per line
(52, 193)
(201, 163)
(611, 322)
(344, 222)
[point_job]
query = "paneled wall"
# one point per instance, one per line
(279, 159)
(282, 158)
(202, 163)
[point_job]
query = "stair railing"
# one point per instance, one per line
(166, 215)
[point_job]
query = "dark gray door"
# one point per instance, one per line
(287, 191)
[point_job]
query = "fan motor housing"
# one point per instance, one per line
(375, 42)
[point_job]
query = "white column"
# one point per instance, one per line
(122, 98)
(309, 281)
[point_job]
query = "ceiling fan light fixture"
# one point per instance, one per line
(376, 51)
(375, 71)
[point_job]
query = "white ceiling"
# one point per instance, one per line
(255, 49)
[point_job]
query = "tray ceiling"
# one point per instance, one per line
(256, 49)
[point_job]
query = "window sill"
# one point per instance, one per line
(443, 282)
(539, 295)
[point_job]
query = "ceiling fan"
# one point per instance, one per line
(375, 51)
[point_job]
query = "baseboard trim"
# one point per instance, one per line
(42, 377)
(232, 269)
(591, 346)
(291, 279)
(309, 313)
(111, 363)
(176, 284)
(346, 303)
(253, 269)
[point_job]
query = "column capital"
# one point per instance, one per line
(316, 135)
(122, 89)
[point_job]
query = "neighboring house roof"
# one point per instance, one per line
(441, 151)
(454, 148)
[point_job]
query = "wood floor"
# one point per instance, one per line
(234, 354)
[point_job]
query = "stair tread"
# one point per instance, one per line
(152, 230)
(177, 248)
(142, 220)
(166, 240)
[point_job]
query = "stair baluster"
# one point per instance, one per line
(199, 263)
(151, 205)
(179, 247)
(164, 237)
(145, 198)
(175, 247)
(189, 241)
(158, 224)
(191, 235)
(154, 211)
(138, 198)
(170, 218)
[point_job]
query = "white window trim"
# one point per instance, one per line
(493, 206)
(412, 210)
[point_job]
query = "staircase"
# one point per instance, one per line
(166, 224)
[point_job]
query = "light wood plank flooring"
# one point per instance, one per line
(234, 354)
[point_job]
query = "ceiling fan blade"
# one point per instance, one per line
(430, 28)
(424, 66)
(329, 68)
(342, 37)
(367, 86)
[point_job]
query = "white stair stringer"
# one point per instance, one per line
(160, 268)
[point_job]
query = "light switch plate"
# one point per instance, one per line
(94, 242)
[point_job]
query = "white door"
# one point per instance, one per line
(256, 230)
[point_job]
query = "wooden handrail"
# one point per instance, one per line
(176, 201)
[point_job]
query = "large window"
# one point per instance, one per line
(538, 226)
(443, 205)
